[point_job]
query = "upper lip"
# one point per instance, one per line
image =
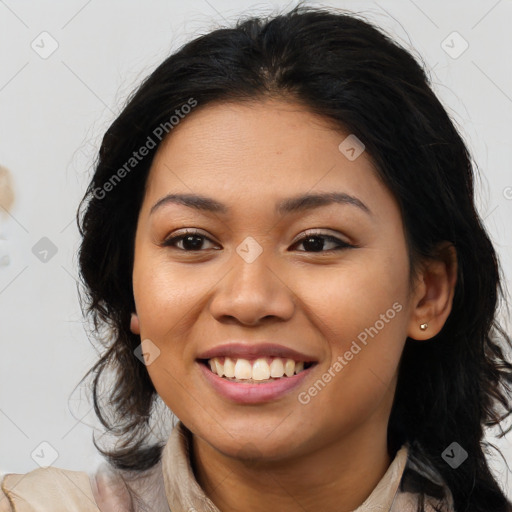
(238, 350)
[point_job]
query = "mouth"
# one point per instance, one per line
(261, 370)
(254, 373)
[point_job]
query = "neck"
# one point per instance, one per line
(338, 477)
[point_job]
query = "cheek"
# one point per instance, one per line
(170, 299)
(353, 298)
(357, 382)
(166, 295)
(361, 312)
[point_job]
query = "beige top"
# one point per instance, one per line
(168, 486)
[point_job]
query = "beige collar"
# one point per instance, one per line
(184, 493)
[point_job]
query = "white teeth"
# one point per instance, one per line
(260, 370)
(219, 367)
(243, 369)
(289, 367)
(276, 368)
(229, 367)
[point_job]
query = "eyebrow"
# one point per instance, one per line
(289, 205)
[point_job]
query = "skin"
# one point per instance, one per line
(330, 453)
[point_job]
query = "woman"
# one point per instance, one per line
(280, 242)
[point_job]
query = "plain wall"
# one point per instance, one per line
(54, 111)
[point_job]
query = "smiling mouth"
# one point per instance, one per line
(260, 370)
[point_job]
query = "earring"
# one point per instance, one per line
(424, 326)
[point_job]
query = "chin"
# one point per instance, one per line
(252, 445)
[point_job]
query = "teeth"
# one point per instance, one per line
(229, 367)
(258, 370)
(219, 368)
(289, 367)
(276, 368)
(243, 369)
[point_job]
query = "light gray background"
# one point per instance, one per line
(54, 111)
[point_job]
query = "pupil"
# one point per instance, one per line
(196, 241)
(318, 246)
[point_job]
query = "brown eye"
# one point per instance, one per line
(191, 241)
(316, 243)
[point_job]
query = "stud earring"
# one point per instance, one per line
(424, 326)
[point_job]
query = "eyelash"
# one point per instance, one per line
(170, 242)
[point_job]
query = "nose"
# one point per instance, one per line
(252, 292)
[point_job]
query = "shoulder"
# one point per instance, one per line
(44, 489)
(103, 490)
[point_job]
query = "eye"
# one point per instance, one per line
(192, 240)
(316, 242)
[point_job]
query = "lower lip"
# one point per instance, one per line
(253, 393)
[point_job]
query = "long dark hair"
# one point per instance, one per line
(347, 70)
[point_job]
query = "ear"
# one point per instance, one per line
(134, 324)
(433, 293)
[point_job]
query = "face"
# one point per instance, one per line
(253, 274)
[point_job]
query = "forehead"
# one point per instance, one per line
(263, 149)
